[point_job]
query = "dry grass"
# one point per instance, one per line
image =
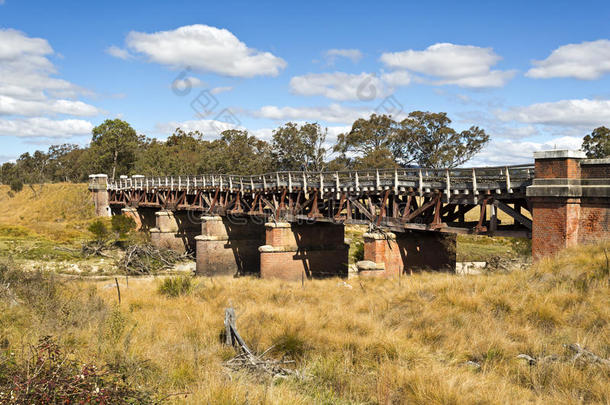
(380, 341)
(59, 211)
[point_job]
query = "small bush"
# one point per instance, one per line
(99, 230)
(358, 253)
(16, 185)
(123, 225)
(49, 376)
(176, 286)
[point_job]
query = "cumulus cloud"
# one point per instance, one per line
(583, 112)
(206, 49)
(352, 54)
(29, 88)
(118, 52)
(339, 86)
(501, 152)
(44, 127)
(14, 106)
(461, 65)
(187, 83)
(397, 78)
(585, 61)
(332, 113)
(25, 70)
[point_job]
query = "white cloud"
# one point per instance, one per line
(583, 112)
(204, 48)
(502, 152)
(339, 86)
(461, 65)
(585, 61)
(118, 52)
(352, 54)
(25, 70)
(493, 78)
(515, 132)
(332, 113)
(14, 106)
(397, 78)
(209, 128)
(28, 88)
(218, 90)
(184, 85)
(44, 127)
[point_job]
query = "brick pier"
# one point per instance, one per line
(570, 198)
(293, 251)
(229, 245)
(389, 254)
(175, 230)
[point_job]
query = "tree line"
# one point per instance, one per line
(423, 139)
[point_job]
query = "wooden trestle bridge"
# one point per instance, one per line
(398, 200)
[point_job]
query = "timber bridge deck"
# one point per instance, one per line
(396, 199)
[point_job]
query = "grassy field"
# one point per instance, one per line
(425, 339)
(430, 338)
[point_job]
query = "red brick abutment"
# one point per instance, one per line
(570, 199)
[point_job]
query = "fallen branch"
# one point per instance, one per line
(147, 259)
(247, 359)
(581, 355)
(585, 355)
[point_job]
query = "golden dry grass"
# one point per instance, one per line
(58, 211)
(380, 341)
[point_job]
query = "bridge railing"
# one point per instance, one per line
(423, 179)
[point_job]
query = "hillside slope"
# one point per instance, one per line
(57, 211)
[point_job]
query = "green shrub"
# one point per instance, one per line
(16, 185)
(123, 225)
(358, 252)
(176, 286)
(99, 230)
(48, 375)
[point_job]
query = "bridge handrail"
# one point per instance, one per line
(415, 177)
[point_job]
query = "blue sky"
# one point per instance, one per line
(534, 75)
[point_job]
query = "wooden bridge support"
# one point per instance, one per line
(304, 250)
(229, 246)
(388, 254)
(175, 231)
